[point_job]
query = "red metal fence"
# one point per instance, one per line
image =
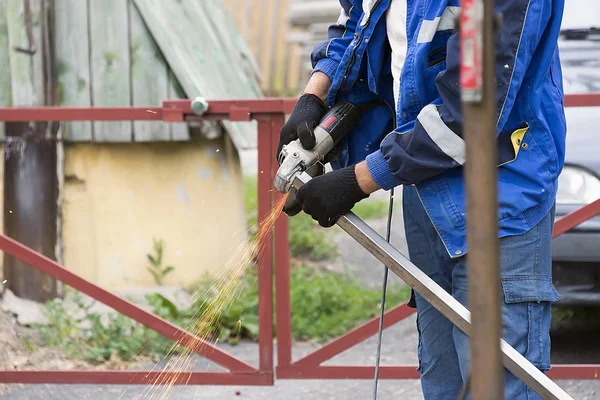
(269, 115)
(273, 261)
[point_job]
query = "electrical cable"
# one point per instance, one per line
(383, 297)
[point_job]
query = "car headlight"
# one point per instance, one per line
(577, 186)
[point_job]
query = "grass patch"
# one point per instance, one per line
(371, 209)
(326, 305)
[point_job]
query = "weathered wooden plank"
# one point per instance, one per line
(227, 37)
(202, 63)
(5, 90)
(73, 63)
(110, 65)
(179, 131)
(26, 71)
(149, 78)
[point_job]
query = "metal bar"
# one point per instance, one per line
(165, 328)
(355, 336)
(218, 109)
(575, 218)
(575, 371)
(39, 114)
(265, 257)
(136, 378)
(582, 100)
(347, 372)
(282, 268)
(481, 180)
(563, 372)
(439, 298)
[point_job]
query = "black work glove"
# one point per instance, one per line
(328, 197)
(307, 115)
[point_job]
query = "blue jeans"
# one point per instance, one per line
(527, 295)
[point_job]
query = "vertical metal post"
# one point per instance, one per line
(265, 258)
(483, 260)
(282, 272)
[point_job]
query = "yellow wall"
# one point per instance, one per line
(117, 197)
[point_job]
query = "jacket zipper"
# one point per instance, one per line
(353, 59)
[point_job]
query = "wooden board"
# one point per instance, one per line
(73, 63)
(178, 131)
(26, 71)
(187, 34)
(110, 65)
(5, 98)
(149, 78)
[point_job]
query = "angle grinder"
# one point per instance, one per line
(295, 159)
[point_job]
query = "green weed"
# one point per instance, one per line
(159, 273)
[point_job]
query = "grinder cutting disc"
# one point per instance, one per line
(291, 206)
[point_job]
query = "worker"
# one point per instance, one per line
(403, 57)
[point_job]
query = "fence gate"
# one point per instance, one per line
(273, 262)
(269, 115)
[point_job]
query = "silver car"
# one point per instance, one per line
(576, 254)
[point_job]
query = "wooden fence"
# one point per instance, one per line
(264, 25)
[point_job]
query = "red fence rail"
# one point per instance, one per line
(269, 114)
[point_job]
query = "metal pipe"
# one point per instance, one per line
(483, 260)
(439, 298)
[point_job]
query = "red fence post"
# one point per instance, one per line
(282, 272)
(265, 258)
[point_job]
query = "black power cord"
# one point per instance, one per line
(383, 297)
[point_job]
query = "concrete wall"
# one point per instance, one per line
(117, 198)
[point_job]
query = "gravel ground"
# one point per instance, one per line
(399, 347)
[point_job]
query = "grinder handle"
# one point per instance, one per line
(340, 120)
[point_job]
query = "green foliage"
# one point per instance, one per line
(82, 333)
(156, 268)
(371, 209)
(326, 305)
(308, 240)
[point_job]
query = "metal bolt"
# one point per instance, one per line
(458, 252)
(524, 146)
(199, 106)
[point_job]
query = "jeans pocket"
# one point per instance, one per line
(526, 316)
(520, 289)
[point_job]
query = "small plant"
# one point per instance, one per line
(156, 268)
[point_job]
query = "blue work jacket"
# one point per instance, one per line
(414, 136)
